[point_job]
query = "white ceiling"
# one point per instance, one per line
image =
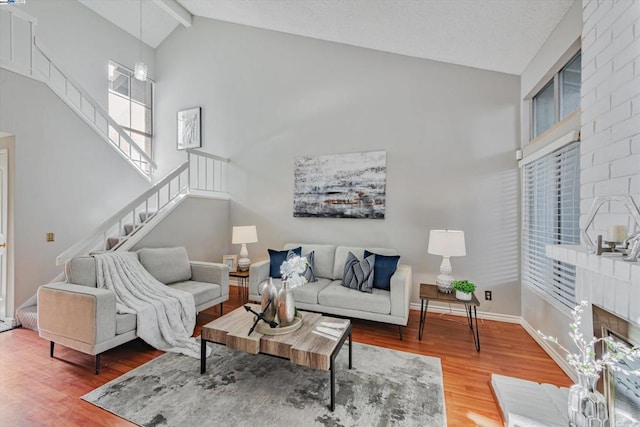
(498, 35)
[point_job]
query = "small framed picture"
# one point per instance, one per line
(189, 129)
(231, 261)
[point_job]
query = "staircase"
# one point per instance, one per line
(23, 53)
(202, 175)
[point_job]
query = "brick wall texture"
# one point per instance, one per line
(610, 132)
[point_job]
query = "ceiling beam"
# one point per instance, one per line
(176, 11)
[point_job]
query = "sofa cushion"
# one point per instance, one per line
(323, 257)
(202, 292)
(341, 257)
(167, 265)
(338, 296)
(306, 293)
(125, 322)
(385, 266)
(81, 271)
(309, 293)
(359, 274)
(276, 258)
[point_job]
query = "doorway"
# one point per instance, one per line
(4, 190)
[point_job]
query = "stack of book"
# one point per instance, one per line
(331, 330)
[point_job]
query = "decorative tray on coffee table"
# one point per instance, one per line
(264, 328)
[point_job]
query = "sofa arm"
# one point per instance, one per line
(401, 291)
(77, 312)
(258, 273)
(211, 272)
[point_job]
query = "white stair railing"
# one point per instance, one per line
(150, 207)
(207, 172)
(22, 52)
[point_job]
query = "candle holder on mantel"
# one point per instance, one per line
(603, 246)
(617, 241)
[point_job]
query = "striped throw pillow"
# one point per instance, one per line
(358, 274)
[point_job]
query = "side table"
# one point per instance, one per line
(430, 293)
(243, 283)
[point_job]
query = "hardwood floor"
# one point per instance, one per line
(36, 390)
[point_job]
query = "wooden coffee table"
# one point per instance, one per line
(302, 347)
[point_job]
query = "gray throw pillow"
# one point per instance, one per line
(358, 274)
(309, 273)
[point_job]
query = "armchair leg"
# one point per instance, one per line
(97, 364)
(52, 344)
(400, 329)
(221, 310)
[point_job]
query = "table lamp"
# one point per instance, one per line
(447, 243)
(241, 236)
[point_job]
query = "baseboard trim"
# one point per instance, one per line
(550, 349)
(459, 311)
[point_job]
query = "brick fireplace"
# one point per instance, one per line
(612, 286)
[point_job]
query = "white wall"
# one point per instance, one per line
(67, 179)
(450, 133)
(81, 42)
(200, 225)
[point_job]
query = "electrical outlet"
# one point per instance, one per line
(51, 237)
(487, 295)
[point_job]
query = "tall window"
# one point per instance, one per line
(131, 105)
(551, 213)
(558, 98)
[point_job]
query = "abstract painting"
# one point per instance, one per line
(341, 185)
(189, 128)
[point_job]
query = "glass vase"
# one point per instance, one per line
(587, 407)
(286, 305)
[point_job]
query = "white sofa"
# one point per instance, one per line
(81, 316)
(327, 295)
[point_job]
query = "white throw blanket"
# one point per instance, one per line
(166, 316)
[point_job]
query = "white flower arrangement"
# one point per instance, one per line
(292, 270)
(585, 362)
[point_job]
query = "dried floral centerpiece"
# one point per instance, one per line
(292, 271)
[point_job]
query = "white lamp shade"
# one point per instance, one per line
(447, 243)
(244, 234)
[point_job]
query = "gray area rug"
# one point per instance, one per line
(384, 388)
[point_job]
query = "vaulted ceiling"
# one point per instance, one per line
(498, 35)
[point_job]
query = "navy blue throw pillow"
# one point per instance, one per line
(383, 269)
(276, 258)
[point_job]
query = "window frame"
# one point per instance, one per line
(556, 80)
(130, 100)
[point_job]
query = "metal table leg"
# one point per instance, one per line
(424, 305)
(475, 333)
(203, 355)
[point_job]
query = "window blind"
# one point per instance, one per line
(551, 214)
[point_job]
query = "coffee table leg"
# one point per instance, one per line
(350, 342)
(203, 355)
(332, 405)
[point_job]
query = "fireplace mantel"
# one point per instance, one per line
(604, 280)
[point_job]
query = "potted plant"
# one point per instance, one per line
(464, 289)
